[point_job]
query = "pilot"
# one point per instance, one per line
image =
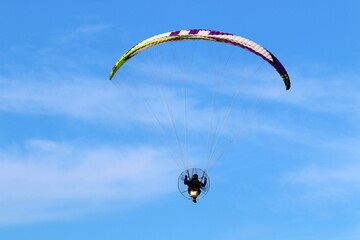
(194, 185)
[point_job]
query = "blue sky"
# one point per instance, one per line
(80, 156)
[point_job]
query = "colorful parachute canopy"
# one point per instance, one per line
(208, 35)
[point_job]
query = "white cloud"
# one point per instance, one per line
(119, 104)
(329, 183)
(82, 31)
(51, 179)
(65, 95)
(324, 94)
(329, 94)
(113, 103)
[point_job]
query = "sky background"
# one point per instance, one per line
(78, 155)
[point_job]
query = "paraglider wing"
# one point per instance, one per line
(208, 35)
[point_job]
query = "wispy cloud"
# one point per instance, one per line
(328, 94)
(94, 99)
(49, 178)
(336, 183)
(157, 109)
(66, 95)
(82, 31)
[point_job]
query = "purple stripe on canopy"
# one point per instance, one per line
(240, 45)
(218, 33)
(194, 31)
(174, 33)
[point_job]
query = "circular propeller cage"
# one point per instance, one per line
(183, 188)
